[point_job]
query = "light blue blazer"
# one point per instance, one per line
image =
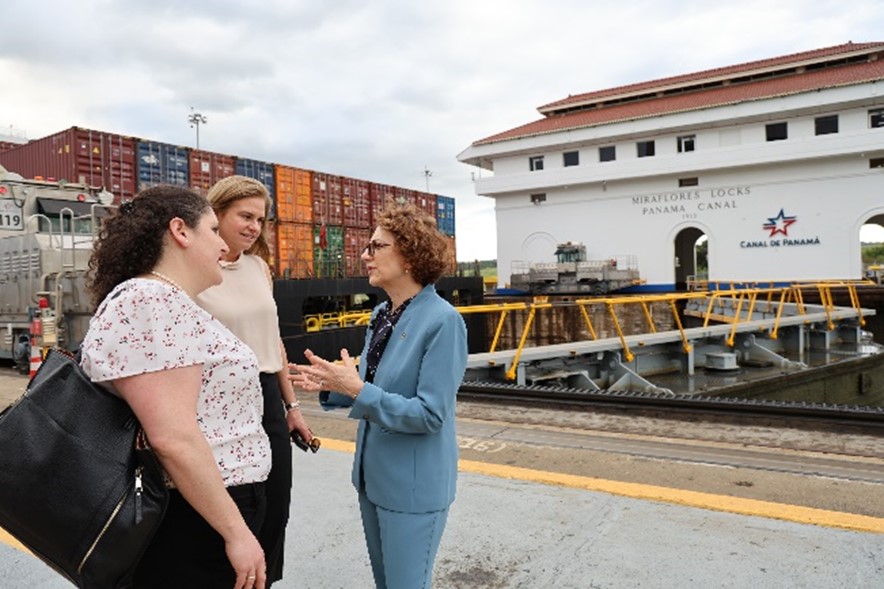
(406, 445)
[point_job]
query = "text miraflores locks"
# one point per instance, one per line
(690, 202)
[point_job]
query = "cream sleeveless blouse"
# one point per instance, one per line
(244, 303)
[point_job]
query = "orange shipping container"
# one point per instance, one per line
(293, 201)
(294, 250)
(206, 168)
(355, 240)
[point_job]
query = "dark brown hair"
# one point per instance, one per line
(130, 242)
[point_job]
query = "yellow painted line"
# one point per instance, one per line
(10, 541)
(738, 505)
(339, 445)
(751, 507)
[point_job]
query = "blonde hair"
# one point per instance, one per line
(228, 190)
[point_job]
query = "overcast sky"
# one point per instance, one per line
(378, 90)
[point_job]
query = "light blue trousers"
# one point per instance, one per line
(401, 546)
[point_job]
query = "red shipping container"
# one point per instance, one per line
(6, 145)
(355, 240)
(426, 202)
(404, 195)
(355, 201)
(207, 167)
(78, 155)
(379, 196)
(294, 250)
(327, 199)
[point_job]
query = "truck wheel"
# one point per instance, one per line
(21, 354)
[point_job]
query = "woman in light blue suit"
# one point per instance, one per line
(403, 394)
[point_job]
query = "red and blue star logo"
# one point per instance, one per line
(779, 224)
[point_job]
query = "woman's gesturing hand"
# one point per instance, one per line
(322, 375)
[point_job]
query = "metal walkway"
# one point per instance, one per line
(753, 327)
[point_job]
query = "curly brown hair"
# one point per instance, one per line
(424, 248)
(130, 242)
(228, 190)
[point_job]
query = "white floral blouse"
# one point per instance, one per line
(145, 326)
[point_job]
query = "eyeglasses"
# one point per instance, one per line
(374, 245)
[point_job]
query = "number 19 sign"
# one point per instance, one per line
(10, 215)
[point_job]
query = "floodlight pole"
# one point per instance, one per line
(196, 119)
(427, 173)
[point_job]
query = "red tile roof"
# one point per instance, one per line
(642, 105)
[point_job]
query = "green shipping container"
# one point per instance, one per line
(328, 251)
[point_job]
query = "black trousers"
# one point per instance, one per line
(187, 552)
(279, 483)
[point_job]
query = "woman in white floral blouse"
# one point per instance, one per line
(192, 384)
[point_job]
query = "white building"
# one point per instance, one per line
(778, 162)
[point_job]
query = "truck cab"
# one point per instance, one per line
(47, 228)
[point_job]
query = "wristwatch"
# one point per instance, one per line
(295, 405)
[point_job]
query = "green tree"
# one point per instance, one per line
(873, 253)
(702, 253)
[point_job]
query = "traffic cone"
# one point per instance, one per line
(36, 358)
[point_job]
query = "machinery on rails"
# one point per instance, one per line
(572, 273)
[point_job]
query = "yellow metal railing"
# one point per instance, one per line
(742, 300)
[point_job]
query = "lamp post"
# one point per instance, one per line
(196, 119)
(427, 173)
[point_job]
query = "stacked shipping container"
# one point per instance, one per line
(4, 145)
(78, 155)
(294, 223)
(161, 163)
(321, 222)
(207, 167)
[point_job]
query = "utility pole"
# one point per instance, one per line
(427, 173)
(196, 119)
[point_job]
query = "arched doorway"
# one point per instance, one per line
(686, 260)
(871, 236)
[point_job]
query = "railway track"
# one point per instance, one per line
(867, 420)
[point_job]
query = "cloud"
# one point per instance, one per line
(375, 90)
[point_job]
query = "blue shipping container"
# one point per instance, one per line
(445, 214)
(262, 171)
(161, 163)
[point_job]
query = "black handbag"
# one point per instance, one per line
(79, 486)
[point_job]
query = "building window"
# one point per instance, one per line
(607, 153)
(682, 182)
(776, 131)
(535, 163)
(876, 162)
(876, 118)
(536, 199)
(571, 158)
(826, 125)
(645, 148)
(686, 143)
